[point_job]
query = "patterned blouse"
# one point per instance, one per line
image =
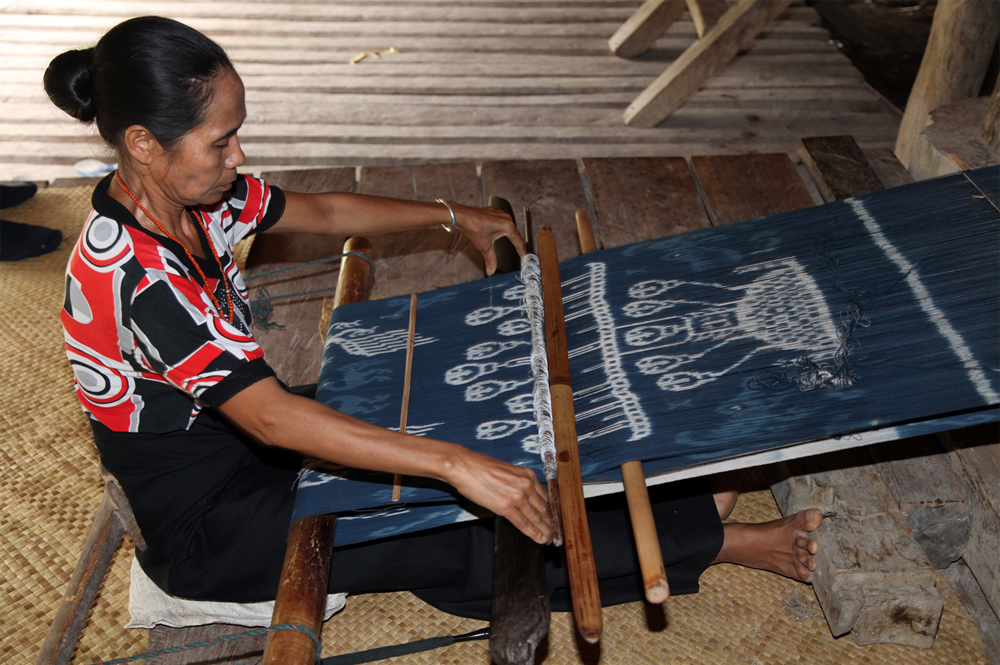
(147, 346)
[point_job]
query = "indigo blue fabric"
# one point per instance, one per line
(861, 320)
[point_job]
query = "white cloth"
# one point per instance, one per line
(149, 606)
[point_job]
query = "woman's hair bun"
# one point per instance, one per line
(67, 83)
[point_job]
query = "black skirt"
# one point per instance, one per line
(215, 509)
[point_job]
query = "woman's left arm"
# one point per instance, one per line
(339, 213)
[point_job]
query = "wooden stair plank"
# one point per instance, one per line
(735, 31)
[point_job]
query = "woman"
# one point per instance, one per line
(185, 411)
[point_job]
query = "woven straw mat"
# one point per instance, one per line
(50, 488)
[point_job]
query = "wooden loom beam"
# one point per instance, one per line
(521, 614)
(576, 532)
(302, 589)
(647, 543)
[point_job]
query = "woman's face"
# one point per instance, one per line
(201, 167)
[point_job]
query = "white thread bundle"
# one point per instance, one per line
(534, 306)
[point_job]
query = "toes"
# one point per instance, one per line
(807, 544)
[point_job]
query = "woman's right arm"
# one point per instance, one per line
(275, 417)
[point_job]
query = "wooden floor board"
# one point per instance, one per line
(644, 198)
(419, 261)
(740, 187)
(551, 189)
(295, 351)
(473, 81)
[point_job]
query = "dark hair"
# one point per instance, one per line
(149, 71)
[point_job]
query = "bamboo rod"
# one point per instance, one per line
(576, 532)
(301, 593)
(585, 231)
(397, 480)
(647, 543)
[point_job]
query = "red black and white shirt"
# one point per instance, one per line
(147, 346)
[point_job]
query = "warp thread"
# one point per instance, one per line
(534, 306)
(804, 373)
(261, 307)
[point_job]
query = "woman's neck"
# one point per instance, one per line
(154, 211)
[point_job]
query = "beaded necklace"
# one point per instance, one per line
(200, 221)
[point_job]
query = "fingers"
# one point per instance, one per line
(537, 528)
(484, 226)
(515, 237)
(532, 516)
(490, 259)
(510, 491)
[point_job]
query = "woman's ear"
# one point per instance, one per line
(142, 146)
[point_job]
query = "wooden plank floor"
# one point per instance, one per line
(473, 81)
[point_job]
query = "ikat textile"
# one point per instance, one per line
(867, 319)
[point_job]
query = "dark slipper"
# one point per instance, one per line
(23, 241)
(12, 195)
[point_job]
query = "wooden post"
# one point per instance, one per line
(989, 132)
(931, 494)
(872, 579)
(953, 67)
(976, 453)
(708, 56)
(302, 590)
(576, 531)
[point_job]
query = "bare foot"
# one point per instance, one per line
(782, 546)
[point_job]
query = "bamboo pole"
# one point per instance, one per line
(647, 543)
(576, 532)
(397, 479)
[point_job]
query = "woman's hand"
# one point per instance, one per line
(510, 491)
(484, 226)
